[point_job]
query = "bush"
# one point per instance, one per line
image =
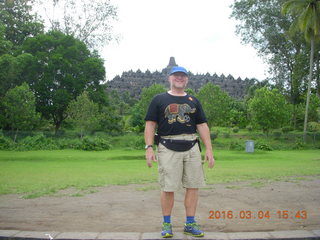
(286, 129)
(314, 127)
(139, 144)
(214, 135)
(249, 128)
(38, 142)
(94, 144)
(6, 143)
(226, 134)
(128, 141)
(277, 134)
(299, 145)
(235, 129)
(263, 146)
(236, 146)
(64, 143)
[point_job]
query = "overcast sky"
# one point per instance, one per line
(198, 33)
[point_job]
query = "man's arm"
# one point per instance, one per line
(204, 133)
(149, 132)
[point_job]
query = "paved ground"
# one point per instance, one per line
(285, 235)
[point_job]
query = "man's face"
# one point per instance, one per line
(178, 80)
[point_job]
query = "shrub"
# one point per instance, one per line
(235, 129)
(249, 128)
(236, 146)
(226, 134)
(95, 144)
(299, 145)
(286, 129)
(128, 141)
(277, 134)
(314, 127)
(65, 143)
(38, 142)
(263, 146)
(139, 144)
(214, 135)
(5, 143)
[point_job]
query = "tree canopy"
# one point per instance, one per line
(306, 18)
(216, 105)
(140, 109)
(20, 109)
(84, 113)
(62, 68)
(269, 109)
(18, 21)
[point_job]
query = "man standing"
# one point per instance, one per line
(177, 117)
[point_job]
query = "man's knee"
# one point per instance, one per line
(192, 189)
(168, 193)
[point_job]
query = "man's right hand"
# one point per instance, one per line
(150, 157)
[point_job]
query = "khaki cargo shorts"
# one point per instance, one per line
(176, 168)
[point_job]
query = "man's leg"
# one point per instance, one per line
(191, 201)
(167, 201)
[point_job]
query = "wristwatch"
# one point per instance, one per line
(148, 146)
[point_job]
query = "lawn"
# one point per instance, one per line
(37, 173)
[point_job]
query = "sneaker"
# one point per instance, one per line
(193, 229)
(166, 230)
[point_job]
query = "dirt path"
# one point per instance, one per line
(135, 208)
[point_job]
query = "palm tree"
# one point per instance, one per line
(306, 14)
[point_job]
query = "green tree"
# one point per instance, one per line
(313, 110)
(14, 70)
(190, 91)
(62, 68)
(5, 45)
(111, 121)
(140, 109)
(19, 109)
(122, 108)
(19, 22)
(239, 113)
(216, 105)
(269, 109)
(8, 73)
(261, 24)
(306, 15)
(84, 113)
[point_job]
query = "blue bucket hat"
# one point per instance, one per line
(178, 69)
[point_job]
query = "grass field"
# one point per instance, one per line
(37, 173)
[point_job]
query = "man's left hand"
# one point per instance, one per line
(209, 157)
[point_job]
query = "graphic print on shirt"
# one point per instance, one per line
(178, 112)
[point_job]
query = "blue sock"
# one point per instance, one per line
(190, 219)
(167, 219)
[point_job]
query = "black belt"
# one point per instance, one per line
(177, 145)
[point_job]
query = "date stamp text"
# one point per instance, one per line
(260, 214)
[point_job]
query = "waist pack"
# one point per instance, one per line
(178, 145)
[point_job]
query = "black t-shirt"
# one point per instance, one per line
(175, 114)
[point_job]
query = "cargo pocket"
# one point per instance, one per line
(161, 177)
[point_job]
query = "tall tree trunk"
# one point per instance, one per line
(294, 118)
(317, 62)
(309, 90)
(15, 135)
(57, 127)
